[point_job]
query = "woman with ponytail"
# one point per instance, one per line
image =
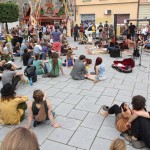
(56, 65)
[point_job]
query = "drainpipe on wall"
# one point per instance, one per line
(75, 11)
(138, 12)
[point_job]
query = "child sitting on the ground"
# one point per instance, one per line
(40, 110)
(69, 59)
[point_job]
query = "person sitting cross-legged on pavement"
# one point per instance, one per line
(38, 64)
(79, 71)
(12, 107)
(100, 73)
(54, 66)
(12, 77)
(40, 110)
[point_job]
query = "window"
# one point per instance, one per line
(87, 19)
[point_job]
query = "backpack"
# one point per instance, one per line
(30, 72)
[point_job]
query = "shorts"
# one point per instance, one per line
(57, 46)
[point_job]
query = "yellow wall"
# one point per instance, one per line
(96, 7)
(91, 2)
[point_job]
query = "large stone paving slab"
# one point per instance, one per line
(83, 138)
(93, 121)
(100, 143)
(51, 145)
(61, 135)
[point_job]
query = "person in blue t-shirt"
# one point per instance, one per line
(100, 72)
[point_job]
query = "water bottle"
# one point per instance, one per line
(30, 81)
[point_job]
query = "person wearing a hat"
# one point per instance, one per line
(12, 107)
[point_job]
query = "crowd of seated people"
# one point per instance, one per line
(44, 52)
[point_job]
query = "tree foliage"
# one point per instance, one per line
(9, 12)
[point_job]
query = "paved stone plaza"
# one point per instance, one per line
(77, 104)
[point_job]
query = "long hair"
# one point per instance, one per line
(20, 138)
(54, 61)
(97, 62)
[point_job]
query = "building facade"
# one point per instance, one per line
(88, 11)
(144, 10)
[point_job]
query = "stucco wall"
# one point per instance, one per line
(99, 10)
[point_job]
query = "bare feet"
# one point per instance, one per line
(104, 113)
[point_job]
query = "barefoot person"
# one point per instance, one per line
(40, 110)
(99, 69)
(122, 113)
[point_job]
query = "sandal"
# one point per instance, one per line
(105, 107)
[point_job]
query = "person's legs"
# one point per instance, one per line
(15, 81)
(91, 77)
(24, 107)
(115, 109)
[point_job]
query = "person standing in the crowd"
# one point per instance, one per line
(100, 28)
(106, 28)
(111, 31)
(125, 30)
(132, 31)
(56, 40)
(81, 31)
(76, 32)
(94, 31)
(144, 31)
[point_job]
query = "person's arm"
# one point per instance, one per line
(96, 71)
(84, 70)
(137, 114)
(50, 115)
(30, 115)
(19, 74)
(66, 62)
(21, 99)
(61, 69)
